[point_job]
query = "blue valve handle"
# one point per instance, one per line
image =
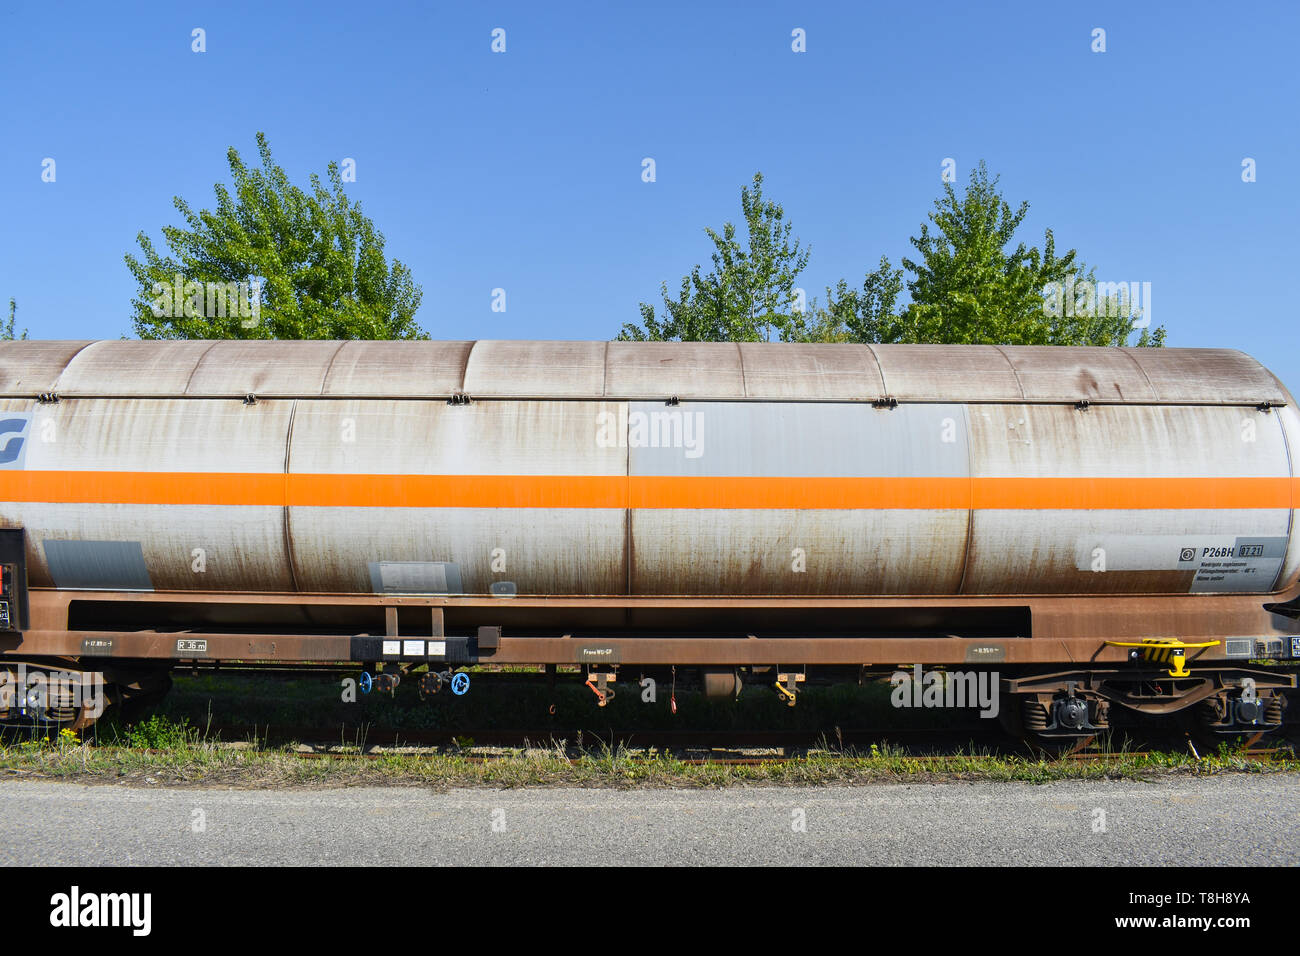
(460, 684)
(365, 682)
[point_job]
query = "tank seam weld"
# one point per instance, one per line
(288, 531)
(1014, 374)
(880, 370)
(1290, 515)
(190, 378)
(1145, 377)
(970, 507)
(66, 365)
(330, 367)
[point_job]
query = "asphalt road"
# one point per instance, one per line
(1239, 819)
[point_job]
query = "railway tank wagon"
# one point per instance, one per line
(1105, 530)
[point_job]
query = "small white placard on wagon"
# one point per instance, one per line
(392, 647)
(412, 648)
(437, 648)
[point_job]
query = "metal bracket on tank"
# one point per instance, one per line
(459, 398)
(887, 402)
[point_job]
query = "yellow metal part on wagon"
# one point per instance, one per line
(1164, 650)
(787, 685)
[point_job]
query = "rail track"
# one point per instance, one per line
(918, 746)
(728, 747)
(732, 761)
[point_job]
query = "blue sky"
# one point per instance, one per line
(522, 170)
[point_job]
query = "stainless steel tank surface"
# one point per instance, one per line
(594, 468)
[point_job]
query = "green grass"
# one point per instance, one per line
(160, 751)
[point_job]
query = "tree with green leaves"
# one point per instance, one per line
(1083, 311)
(273, 261)
(858, 316)
(7, 328)
(750, 294)
(970, 286)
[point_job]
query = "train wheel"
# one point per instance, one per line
(43, 699)
(1027, 717)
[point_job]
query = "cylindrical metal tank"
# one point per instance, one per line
(592, 468)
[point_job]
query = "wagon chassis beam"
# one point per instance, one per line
(871, 650)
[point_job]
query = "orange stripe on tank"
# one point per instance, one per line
(1096, 494)
(687, 493)
(458, 491)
